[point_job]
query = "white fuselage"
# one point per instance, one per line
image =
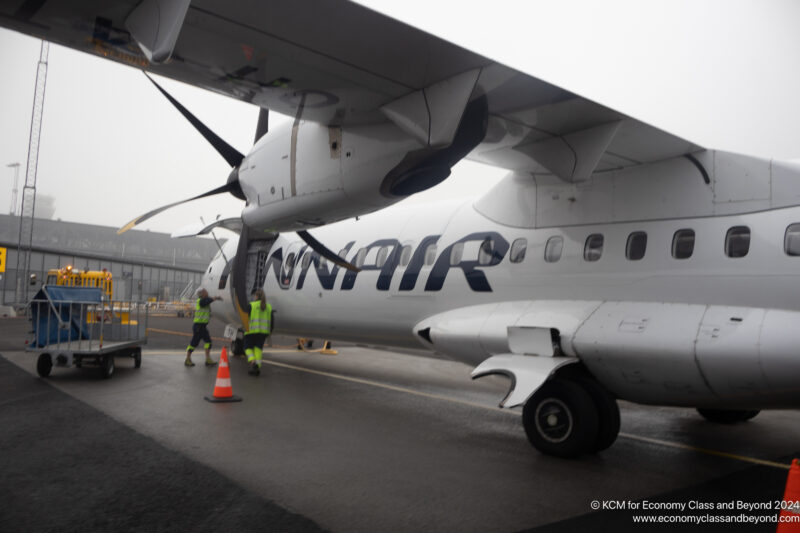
(710, 329)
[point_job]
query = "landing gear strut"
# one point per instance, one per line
(569, 417)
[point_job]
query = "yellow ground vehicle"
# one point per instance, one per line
(70, 277)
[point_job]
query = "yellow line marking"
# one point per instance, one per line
(707, 451)
(639, 438)
(181, 334)
(382, 385)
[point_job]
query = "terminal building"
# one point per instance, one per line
(144, 265)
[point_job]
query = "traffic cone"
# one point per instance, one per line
(223, 391)
(792, 499)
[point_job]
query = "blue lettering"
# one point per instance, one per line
(493, 249)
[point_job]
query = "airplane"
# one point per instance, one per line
(615, 260)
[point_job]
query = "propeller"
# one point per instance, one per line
(234, 159)
(320, 248)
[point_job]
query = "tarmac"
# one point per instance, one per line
(366, 440)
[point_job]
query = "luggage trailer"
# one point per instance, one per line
(78, 326)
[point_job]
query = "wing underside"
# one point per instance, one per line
(339, 63)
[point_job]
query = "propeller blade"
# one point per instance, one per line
(228, 152)
(138, 220)
(326, 253)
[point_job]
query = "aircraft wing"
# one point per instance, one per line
(340, 63)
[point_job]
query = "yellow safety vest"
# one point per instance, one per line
(259, 320)
(201, 314)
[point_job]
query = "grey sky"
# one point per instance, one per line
(723, 74)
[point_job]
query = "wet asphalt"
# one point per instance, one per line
(69, 467)
(367, 440)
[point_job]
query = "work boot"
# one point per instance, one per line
(253, 370)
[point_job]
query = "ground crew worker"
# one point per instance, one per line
(257, 332)
(202, 314)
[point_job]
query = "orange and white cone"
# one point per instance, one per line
(791, 500)
(223, 390)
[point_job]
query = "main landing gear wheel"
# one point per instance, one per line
(237, 346)
(44, 364)
(561, 419)
(726, 416)
(607, 411)
(107, 366)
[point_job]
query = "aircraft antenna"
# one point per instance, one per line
(29, 190)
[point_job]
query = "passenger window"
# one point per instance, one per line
(430, 254)
(737, 241)
(791, 240)
(290, 261)
(637, 245)
(456, 253)
(553, 248)
(405, 255)
(306, 260)
(593, 248)
(343, 253)
(323, 263)
(518, 248)
(362, 253)
(383, 253)
(486, 251)
(683, 244)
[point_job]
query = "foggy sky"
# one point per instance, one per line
(723, 74)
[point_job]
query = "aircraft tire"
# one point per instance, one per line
(607, 411)
(727, 416)
(561, 419)
(44, 364)
(237, 346)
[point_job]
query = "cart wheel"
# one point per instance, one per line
(137, 357)
(107, 366)
(44, 364)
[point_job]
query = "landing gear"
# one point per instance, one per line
(726, 416)
(569, 417)
(608, 413)
(237, 344)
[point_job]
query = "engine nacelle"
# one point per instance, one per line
(307, 174)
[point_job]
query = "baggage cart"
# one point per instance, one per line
(78, 326)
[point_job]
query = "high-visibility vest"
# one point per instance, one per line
(259, 320)
(201, 314)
